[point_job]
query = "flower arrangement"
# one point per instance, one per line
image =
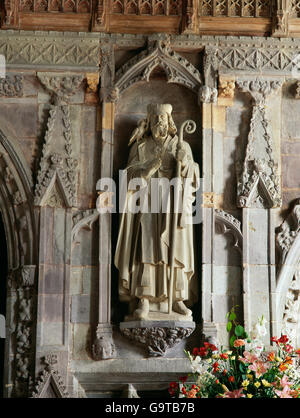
(246, 370)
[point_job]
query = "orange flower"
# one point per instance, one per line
(238, 343)
(294, 393)
(271, 356)
(282, 367)
(192, 393)
(288, 360)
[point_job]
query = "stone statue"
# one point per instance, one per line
(144, 248)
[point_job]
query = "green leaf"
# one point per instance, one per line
(229, 326)
(232, 340)
(239, 330)
(232, 316)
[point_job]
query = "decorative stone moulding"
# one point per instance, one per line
(56, 181)
(288, 275)
(157, 336)
(288, 231)
(228, 224)
(158, 55)
(83, 219)
(50, 383)
(11, 86)
(258, 177)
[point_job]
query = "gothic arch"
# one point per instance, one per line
(288, 278)
(16, 201)
(177, 68)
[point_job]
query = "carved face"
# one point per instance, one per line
(159, 125)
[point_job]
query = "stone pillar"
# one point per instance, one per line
(55, 195)
(103, 346)
(259, 194)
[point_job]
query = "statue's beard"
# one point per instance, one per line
(159, 131)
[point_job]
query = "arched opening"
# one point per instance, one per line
(130, 109)
(3, 291)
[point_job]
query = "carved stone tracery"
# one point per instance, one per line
(258, 178)
(56, 181)
(228, 224)
(50, 383)
(159, 55)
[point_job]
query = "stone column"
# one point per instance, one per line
(55, 195)
(103, 346)
(207, 101)
(259, 194)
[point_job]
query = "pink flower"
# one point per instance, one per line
(259, 367)
(285, 393)
(248, 357)
(284, 382)
(237, 393)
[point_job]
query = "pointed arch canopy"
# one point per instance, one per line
(177, 68)
(16, 200)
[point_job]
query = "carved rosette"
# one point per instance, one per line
(57, 177)
(157, 338)
(258, 178)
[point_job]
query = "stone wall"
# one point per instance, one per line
(62, 301)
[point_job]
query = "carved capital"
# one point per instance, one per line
(259, 89)
(61, 86)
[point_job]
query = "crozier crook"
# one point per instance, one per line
(189, 126)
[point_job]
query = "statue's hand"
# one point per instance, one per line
(182, 156)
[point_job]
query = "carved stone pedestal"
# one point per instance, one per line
(157, 336)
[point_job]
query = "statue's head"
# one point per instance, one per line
(160, 121)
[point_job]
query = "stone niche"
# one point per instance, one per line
(130, 109)
(132, 360)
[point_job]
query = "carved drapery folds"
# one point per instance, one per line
(258, 178)
(50, 383)
(158, 55)
(56, 181)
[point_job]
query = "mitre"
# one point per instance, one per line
(156, 109)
